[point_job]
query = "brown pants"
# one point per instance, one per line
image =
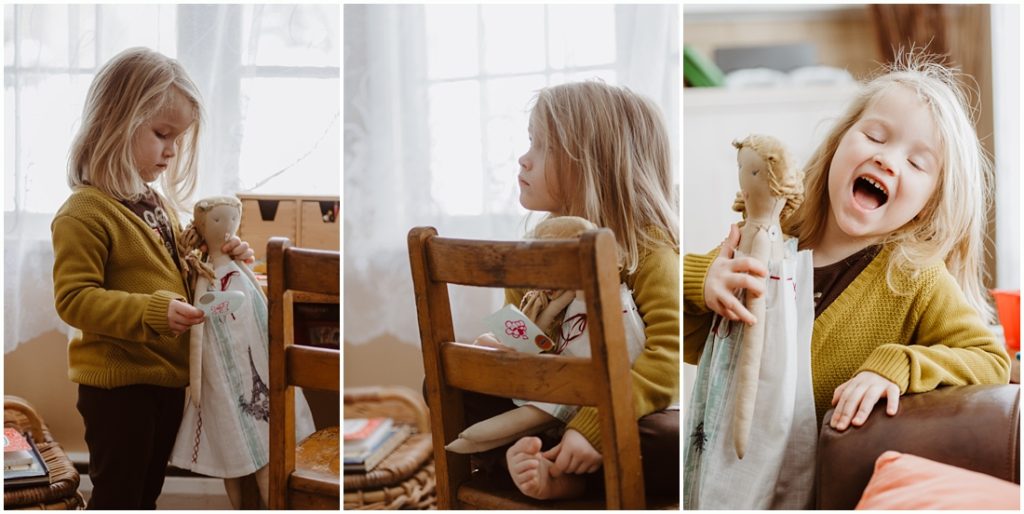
(130, 432)
(659, 443)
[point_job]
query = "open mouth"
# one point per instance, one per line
(869, 193)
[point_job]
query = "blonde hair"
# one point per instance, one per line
(784, 180)
(129, 90)
(192, 238)
(611, 154)
(952, 222)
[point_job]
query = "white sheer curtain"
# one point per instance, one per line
(269, 76)
(436, 104)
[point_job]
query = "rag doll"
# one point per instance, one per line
(225, 427)
(562, 316)
(770, 190)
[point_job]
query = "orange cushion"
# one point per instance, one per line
(903, 481)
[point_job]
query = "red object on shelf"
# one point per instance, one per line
(1008, 308)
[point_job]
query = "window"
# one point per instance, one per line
(270, 76)
(484, 64)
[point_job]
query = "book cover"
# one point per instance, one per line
(517, 331)
(363, 434)
(368, 460)
(17, 472)
(17, 451)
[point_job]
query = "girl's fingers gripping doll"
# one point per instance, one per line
(181, 316)
(727, 275)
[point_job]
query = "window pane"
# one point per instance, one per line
(607, 75)
(50, 110)
(43, 35)
(453, 48)
(455, 147)
(507, 119)
(125, 26)
(278, 133)
(513, 38)
(581, 35)
(292, 35)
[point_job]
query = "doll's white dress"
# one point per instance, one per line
(226, 434)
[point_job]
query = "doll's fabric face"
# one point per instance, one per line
(754, 181)
(221, 223)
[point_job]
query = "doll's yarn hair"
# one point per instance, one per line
(784, 179)
(128, 90)
(557, 227)
(192, 238)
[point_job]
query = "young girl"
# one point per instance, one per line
(117, 274)
(602, 153)
(895, 214)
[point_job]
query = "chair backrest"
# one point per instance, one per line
(295, 276)
(604, 381)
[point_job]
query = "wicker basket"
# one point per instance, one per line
(404, 479)
(62, 492)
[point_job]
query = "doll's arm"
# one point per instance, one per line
(81, 299)
(952, 344)
(195, 348)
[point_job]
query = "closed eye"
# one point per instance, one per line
(915, 165)
(872, 138)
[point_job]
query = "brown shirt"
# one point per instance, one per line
(830, 281)
(151, 210)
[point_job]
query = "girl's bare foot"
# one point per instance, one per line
(531, 473)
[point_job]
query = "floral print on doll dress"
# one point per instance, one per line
(227, 435)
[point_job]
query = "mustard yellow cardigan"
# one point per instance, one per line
(655, 372)
(926, 337)
(113, 280)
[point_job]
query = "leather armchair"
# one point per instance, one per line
(974, 427)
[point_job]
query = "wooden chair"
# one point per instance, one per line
(587, 264)
(298, 276)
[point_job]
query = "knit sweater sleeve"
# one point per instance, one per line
(696, 315)
(952, 345)
(655, 373)
(81, 250)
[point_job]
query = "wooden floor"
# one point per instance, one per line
(182, 493)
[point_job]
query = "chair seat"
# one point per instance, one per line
(315, 482)
(499, 493)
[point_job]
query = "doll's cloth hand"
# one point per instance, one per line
(557, 305)
(573, 455)
(856, 397)
(487, 339)
(727, 275)
(181, 316)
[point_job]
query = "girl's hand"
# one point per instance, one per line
(727, 275)
(181, 316)
(239, 250)
(573, 454)
(487, 339)
(859, 395)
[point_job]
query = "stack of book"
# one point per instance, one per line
(23, 466)
(369, 441)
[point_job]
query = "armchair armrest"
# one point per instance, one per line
(974, 427)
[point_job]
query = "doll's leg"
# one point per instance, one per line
(531, 472)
